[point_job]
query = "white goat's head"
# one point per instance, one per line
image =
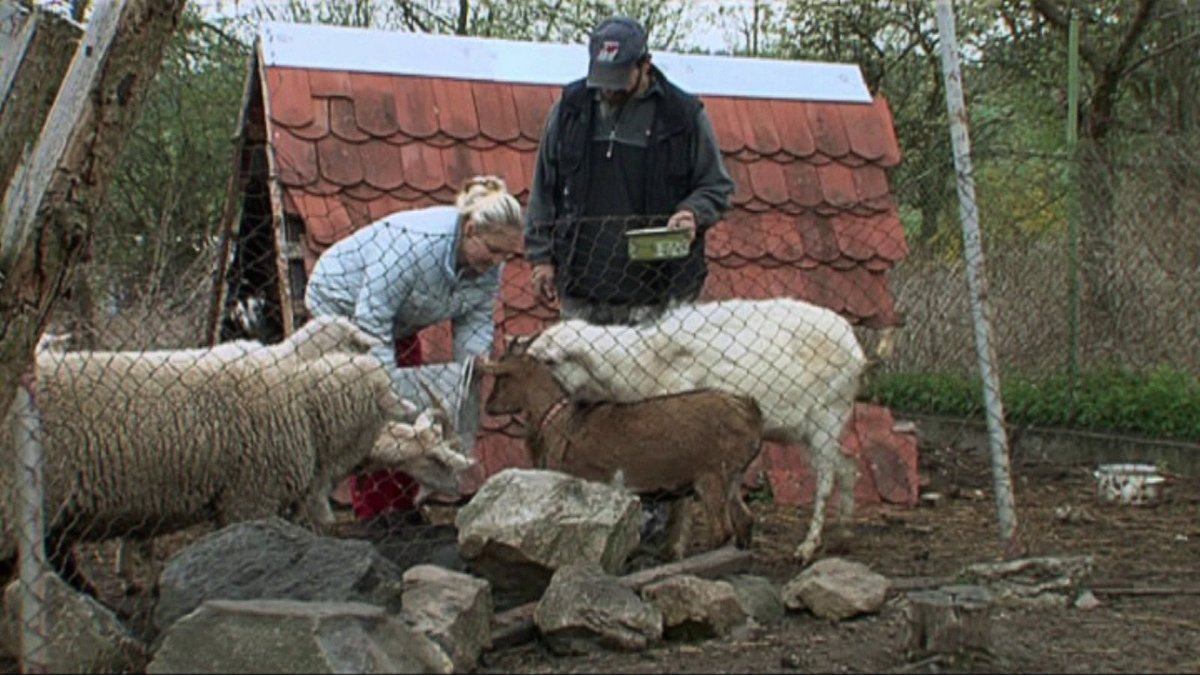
(581, 355)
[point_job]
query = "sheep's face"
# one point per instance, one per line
(422, 450)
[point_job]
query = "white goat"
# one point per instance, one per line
(800, 362)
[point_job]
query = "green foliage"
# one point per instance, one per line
(165, 204)
(1163, 402)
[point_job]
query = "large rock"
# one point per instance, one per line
(585, 609)
(274, 560)
(759, 598)
(80, 634)
(695, 608)
(284, 636)
(524, 524)
(837, 589)
(453, 609)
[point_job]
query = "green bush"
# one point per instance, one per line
(1161, 403)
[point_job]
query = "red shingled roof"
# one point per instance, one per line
(813, 215)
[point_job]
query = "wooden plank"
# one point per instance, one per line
(1146, 590)
(31, 184)
(13, 48)
(515, 626)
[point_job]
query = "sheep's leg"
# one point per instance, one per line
(124, 567)
(678, 537)
(317, 511)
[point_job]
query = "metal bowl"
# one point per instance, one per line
(1128, 483)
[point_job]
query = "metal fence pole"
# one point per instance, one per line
(27, 434)
(976, 278)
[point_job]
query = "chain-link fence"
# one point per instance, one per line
(1091, 269)
(1130, 288)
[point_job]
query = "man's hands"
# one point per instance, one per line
(542, 278)
(684, 219)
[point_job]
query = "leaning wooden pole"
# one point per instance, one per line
(49, 204)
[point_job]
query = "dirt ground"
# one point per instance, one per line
(1156, 548)
(1144, 547)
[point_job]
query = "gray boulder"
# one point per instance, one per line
(524, 524)
(758, 597)
(451, 608)
(80, 634)
(837, 589)
(585, 609)
(273, 560)
(695, 608)
(284, 636)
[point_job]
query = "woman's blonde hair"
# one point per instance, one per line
(485, 200)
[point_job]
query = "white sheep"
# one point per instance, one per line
(131, 451)
(800, 362)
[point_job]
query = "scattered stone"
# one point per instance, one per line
(759, 598)
(81, 635)
(273, 560)
(694, 608)
(1087, 600)
(453, 609)
(523, 524)
(584, 609)
(285, 636)
(837, 589)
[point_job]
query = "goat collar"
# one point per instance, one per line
(551, 413)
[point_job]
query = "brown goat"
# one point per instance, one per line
(703, 439)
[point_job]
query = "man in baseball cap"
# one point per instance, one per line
(617, 47)
(623, 148)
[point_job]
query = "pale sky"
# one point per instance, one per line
(707, 36)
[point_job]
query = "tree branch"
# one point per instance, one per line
(1170, 47)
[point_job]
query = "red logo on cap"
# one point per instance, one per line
(608, 50)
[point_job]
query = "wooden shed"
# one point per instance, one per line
(343, 126)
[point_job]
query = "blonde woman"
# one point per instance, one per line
(413, 269)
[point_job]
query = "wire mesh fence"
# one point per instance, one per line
(160, 422)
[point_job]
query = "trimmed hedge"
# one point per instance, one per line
(1162, 403)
